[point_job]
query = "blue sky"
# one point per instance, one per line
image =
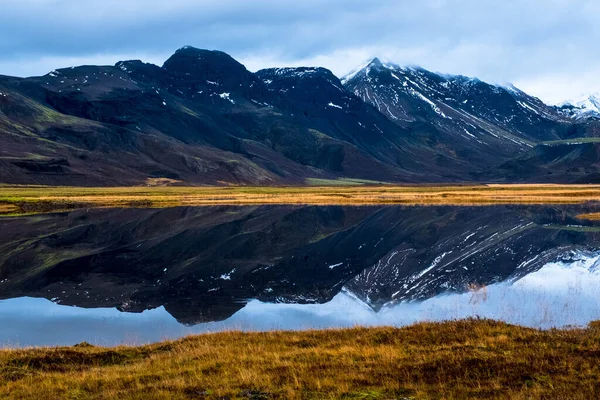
(546, 47)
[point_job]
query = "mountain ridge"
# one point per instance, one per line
(203, 118)
(587, 107)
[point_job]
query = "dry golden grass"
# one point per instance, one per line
(8, 208)
(454, 360)
(51, 198)
(161, 182)
(590, 216)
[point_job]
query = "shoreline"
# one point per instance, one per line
(39, 199)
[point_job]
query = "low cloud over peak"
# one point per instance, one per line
(546, 47)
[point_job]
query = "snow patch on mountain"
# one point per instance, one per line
(225, 96)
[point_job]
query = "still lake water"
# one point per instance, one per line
(135, 276)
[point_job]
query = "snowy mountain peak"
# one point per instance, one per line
(586, 99)
(588, 106)
(511, 88)
(376, 62)
(366, 67)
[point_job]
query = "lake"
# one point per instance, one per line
(134, 276)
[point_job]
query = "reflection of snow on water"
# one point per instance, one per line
(559, 294)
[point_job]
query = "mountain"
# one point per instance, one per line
(585, 113)
(317, 99)
(485, 123)
(569, 161)
(120, 125)
(584, 109)
(203, 118)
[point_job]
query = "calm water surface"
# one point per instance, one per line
(136, 276)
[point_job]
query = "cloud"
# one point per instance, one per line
(494, 40)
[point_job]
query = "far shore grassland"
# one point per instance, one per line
(478, 359)
(31, 199)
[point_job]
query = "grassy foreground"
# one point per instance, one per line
(454, 360)
(40, 199)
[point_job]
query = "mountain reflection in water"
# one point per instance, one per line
(370, 265)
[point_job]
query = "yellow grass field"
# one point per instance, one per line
(476, 359)
(8, 208)
(40, 198)
(590, 216)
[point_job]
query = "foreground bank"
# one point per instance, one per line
(475, 358)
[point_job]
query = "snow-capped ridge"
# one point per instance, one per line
(294, 72)
(421, 78)
(186, 47)
(300, 71)
(592, 99)
(356, 71)
(375, 62)
(587, 106)
(380, 63)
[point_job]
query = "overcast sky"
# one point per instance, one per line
(546, 47)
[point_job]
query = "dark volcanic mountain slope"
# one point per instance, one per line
(482, 123)
(318, 99)
(201, 118)
(120, 125)
(564, 161)
(98, 126)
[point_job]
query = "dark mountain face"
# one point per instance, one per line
(482, 123)
(206, 65)
(355, 133)
(318, 99)
(213, 77)
(203, 118)
(566, 161)
(204, 264)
